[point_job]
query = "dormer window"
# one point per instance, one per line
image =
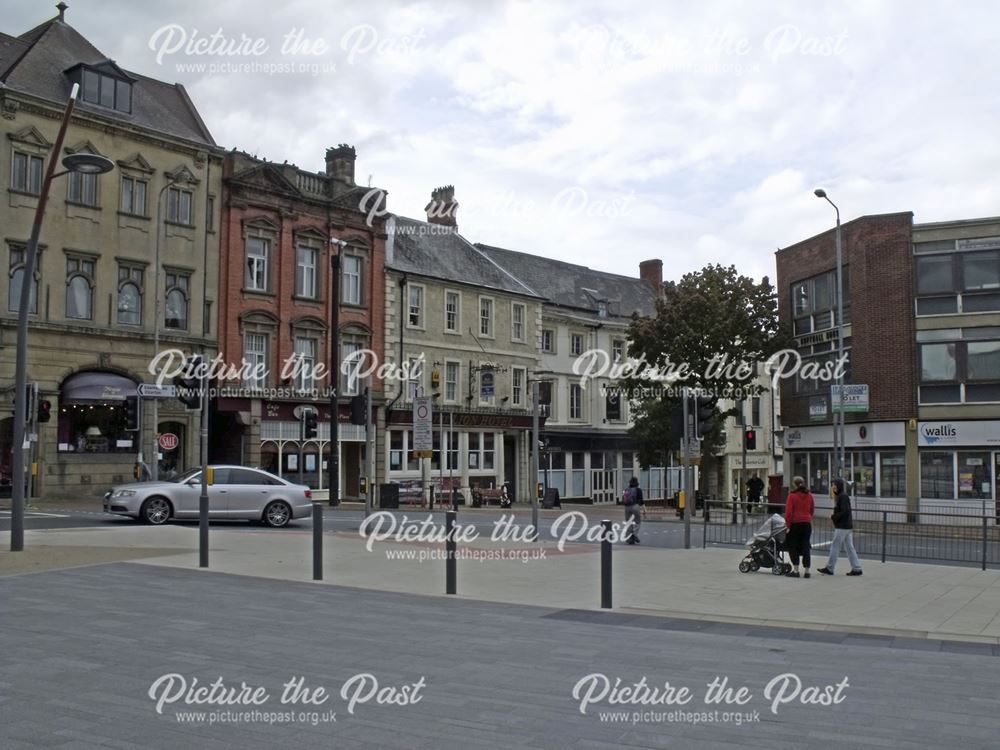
(105, 90)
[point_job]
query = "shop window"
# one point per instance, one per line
(892, 475)
(863, 475)
(395, 450)
(937, 475)
(92, 414)
(974, 476)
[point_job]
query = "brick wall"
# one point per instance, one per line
(879, 263)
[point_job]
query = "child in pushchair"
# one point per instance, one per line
(767, 548)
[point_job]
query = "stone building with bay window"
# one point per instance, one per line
(125, 257)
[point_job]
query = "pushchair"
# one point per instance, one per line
(767, 548)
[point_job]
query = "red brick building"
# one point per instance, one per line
(878, 339)
(281, 226)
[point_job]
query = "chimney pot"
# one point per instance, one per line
(340, 163)
(443, 207)
(651, 271)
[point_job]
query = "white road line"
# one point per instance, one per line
(34, 514)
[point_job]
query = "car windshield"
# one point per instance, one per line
(189, 474)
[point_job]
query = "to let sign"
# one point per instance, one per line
(849, 398)
(423, 424)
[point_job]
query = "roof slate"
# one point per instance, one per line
(419, 247)
(35, 64)
(567, 284)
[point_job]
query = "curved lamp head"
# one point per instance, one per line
(88, 163)
(819, 193)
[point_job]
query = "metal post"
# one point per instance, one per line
(451, 466)
(450, 563)
(203, 498)
(21, 356)
(369, 451)
(885, 523)
(317, 519)
(334, 464)
(606, 565)
(534, 457)
(743, 469)
(984, 542)
(302, 439)
(685, 462)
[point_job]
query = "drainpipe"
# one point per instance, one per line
(402, 329)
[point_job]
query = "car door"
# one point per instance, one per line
(250, 492)
(189, 496)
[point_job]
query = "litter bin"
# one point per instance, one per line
(388, 496)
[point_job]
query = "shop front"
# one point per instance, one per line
(960, 462)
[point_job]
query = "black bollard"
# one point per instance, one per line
(450, 563)
(606, 565)
(317, 541)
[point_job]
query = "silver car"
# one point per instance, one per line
(237, 492)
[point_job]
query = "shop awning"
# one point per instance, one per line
(91, 387)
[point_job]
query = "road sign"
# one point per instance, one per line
(423, 424)
(169, 441)
(152, 390)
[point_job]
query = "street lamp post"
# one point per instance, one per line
(334, 461)
(838, 415)
(85, 164)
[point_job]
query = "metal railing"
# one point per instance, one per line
(879, 532)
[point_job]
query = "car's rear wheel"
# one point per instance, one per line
(156, 510)
(277, 514)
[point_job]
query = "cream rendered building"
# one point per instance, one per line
(93, 312)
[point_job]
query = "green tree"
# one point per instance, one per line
(710, 332)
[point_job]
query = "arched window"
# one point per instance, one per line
(177, 300)
(80, 288)
(17, 261)
(130, 295)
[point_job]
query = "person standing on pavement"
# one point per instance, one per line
(798, 518)
(754, 489)
(843, 534)
(634, 509)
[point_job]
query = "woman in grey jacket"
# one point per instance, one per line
(843, 534)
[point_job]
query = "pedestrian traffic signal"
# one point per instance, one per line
(44, 411)
(189, 382)
(131, 413)
(358, 415)
(750, 439)
(311, 422)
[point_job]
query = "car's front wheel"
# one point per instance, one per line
(156, 510)
(277, 514)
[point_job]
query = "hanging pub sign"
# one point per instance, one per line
(486, 384)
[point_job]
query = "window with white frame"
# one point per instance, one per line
(576, 343)
(486, 317)
(305, 271)
(18, 256)
(26, 173)
(351, 278)
(255, 359)
(575, 401)
(415, 370)
(415, 318)
(258, 252)
(517, 315)
(180, 206)
(80, 288)
(351, 363)
(451, 375)
(305, 355)
(617, 350)
(176, 308)
(548, 341)
(547, 392)
(452, 304)
(83, 188)
(518, 376)
(133, 196)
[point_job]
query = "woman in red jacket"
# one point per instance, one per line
(798, 518)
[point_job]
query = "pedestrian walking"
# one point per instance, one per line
(843, 531)
(798, 518)
(635, 507)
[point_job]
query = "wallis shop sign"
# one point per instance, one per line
(946, 434)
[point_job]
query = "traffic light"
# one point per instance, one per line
(131, 413)
(311, 423)
(44, 411)
(30, 394)
(750, 438)
(189, 382)
(704, 414)
(358, 415)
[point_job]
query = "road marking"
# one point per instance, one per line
(33, 514)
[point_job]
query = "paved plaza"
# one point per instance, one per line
(521, 658)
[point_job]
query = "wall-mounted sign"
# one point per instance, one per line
(487, 384)
(854, 399)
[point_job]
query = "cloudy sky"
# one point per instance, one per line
(600, 133)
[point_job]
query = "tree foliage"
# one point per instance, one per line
(710, 331)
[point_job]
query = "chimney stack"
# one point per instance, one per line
(443, 207)
(340, 163)
(651, 271)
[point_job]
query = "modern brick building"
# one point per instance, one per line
(922, 331)
(281, 227)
